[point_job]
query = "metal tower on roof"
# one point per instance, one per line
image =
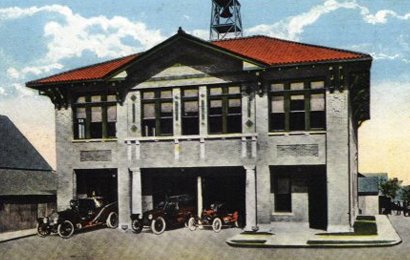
(225, 19)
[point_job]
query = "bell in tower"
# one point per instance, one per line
(225, 19)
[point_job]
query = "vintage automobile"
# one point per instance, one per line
(216, 216)
(173, 212)
(83, 213)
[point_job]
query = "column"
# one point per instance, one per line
(176, 93)
(136, 191)
(250, 197)
(203, 111)
(337, 166)
(124, 198)
(199, 196)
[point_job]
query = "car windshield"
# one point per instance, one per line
(161, 205)
(86, 204)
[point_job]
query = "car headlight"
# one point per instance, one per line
(150, 216)
(140, 216)
(54, 218)
(45, 220)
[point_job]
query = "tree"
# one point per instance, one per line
(405, 193)
(390, 187)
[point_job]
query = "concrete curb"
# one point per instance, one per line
(4, 237)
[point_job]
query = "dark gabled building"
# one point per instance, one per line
(27, 182)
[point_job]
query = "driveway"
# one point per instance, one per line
(184, 244)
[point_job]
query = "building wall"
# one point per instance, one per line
(256, 146)
(369, 204)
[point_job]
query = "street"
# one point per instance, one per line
(184, 244)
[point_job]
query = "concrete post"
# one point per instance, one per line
(136, 191)
(337, 144)
(124, 198)
(176, 93)
(203, 111)
(199, 196)
(250, 197)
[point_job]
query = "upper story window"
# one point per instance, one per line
(157, 112)
(190, 112)
(95, 117)
(297, 106)
(224, 110)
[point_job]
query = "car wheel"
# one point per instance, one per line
(42, 230)
(158, 225)
(136, 226)
(192, 224)
(217, 225)
(112, 220)
(65, 229)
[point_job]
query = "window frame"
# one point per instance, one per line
(157, 100)
(276, 193)
(224, 97)
(183, 116)
(88, 104)
(287, 93)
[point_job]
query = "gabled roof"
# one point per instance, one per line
(16, 152)
(266, 51)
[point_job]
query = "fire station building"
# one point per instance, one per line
(266, 125)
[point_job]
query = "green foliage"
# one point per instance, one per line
(405, 193)
(390, 187)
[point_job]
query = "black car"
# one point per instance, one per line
(83, 213)
(174, 211)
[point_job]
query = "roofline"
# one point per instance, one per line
(295, 42)
(33, 83)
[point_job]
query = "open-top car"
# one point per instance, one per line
(83, 213)
(174, 211)
(216, 216)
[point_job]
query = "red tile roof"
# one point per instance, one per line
(275, 51)
(263, 49)
(92, 72)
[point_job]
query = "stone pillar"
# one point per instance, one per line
(337, 166)
(200, 204)
(264, 206)
(136, 191)
(250, 197)
(124, 211)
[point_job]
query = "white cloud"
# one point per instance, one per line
(3, 92)
(22, 90)
(292, 27)
(99, 34)
(203, 34)
(34, 70)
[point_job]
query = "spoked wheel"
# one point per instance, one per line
(112, 220)
(217, 225)
(136, 226)
(42, 230)
(65, 229)
(158, 225)
(192, 224)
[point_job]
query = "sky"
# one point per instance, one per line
(44, 37)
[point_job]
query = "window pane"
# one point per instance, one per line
(297, 121)
(149, 110)
(190, 126)
(166, 126)
(148, 95)
(317, 85)
(277, 87)
(148, 127)
(283, 185)
(96, 130)
(317, 102)
(216, 107)
(80, 112)
(166, 109)
(297, 86)
(278, 104)
(190, 107)
(317, 120)
(234, 124)
(215, 124)
(111, 98)
(234, 102)
(81, 100)
(283, 199)
(234, 90)
(112, 113)
(96, 115)
(215, 91)
(297, 102)
(190, 93)
(95, 98)
(277, 122)
(166, 94)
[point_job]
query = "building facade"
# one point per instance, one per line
(266, 125)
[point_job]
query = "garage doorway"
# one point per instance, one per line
(98, 182)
